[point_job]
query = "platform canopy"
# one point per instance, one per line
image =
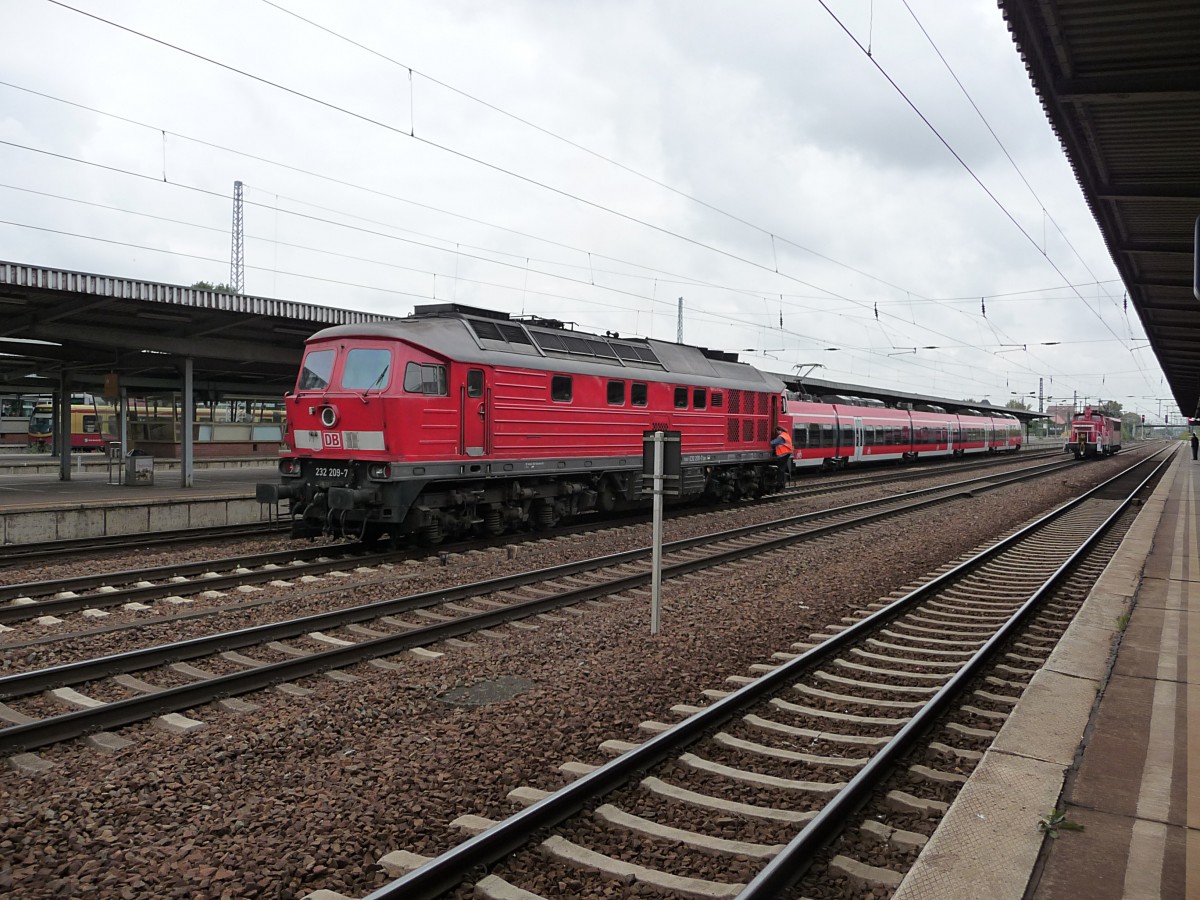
(1120, 83)
(94, 325)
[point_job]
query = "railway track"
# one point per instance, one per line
(46, 551)
(455, 611)
(101, 591)
(810, 483)
(742, 796)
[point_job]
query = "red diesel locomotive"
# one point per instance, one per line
(458, 420)
(1093, 434)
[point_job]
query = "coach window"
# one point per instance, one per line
(616, 393)
(699, 398)
(366, 369)
(560, 388)
(681, 398)
(314, 375)
(799, 436)
(474, 382)
(637, 394)
(425, 379)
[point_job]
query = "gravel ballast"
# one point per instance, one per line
(308, 793)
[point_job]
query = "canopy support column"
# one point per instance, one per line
(188, 417)
(62, 427)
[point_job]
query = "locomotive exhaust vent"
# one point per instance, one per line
(329, 416)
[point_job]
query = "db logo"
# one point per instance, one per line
(332, 439)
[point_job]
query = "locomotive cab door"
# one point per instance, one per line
(474, 413)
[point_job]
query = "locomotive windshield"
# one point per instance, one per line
(366, 368)
(318, 366)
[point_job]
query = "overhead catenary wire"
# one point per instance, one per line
(445, 148)
(961, 161)
(221, 194)
(599, 206)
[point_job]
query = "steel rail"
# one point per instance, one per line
(153, 592)
(11, 554)
(792, 862)
(24, 683)
(42, 732)
(84, 582)
(446, 872)
(309, 563)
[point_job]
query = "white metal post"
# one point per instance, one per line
(656, 578)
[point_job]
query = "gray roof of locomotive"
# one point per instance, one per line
(449, 336)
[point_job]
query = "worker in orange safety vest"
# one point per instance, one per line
(782, 444)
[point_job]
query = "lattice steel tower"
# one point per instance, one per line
(237, 277)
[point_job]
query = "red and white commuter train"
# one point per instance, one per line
(459, 420)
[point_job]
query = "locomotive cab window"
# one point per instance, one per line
(474, 382)
(681, 398)
(638, 394)
(699, 398)
(560, 388)
(616, 393)
(318, 366)
(366, 369)
(425, 379)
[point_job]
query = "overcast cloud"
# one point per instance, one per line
(827, 203)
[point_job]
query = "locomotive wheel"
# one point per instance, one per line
(375, 536)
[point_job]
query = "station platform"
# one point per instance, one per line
(35, 505)
(1092, 788)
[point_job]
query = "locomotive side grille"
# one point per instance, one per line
(659, 426)
(762, 429)
(735, 429)
(735, 402)
(763, 402)
(747, 429)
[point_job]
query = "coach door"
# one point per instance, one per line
(858, 440)
(474, 408)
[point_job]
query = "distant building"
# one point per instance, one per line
(1060, 415)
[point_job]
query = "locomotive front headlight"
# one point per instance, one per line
(329, 416)
(380, 470)
(289, 467)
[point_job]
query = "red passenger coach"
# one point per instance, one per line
(459, 420)
(836, 431)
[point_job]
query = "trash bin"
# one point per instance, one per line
(139, 468)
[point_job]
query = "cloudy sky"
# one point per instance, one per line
(866, 185)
